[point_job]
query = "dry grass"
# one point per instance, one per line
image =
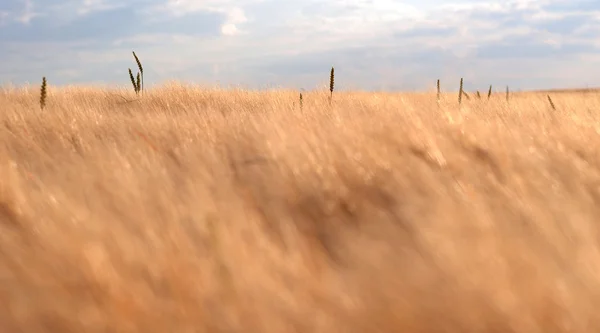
(233, 211)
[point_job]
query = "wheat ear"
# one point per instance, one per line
(460, 91)
(331, 83)
(43, 93)
(551, 103)
(132, 78)
(139, 64)
(138, 82)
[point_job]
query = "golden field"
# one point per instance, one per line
(207, 210)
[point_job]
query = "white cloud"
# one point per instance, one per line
(352, 17)
(232, 11)
(28, 12)
(89, 6)
(235, 16)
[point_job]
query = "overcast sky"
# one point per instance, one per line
(373, 44)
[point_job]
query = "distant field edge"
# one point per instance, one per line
(570, 90)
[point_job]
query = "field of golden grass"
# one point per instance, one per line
(206, 210)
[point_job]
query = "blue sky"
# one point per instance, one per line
(373, 44)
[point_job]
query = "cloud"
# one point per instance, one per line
(90, 6)
(232, 11)
(27, 13)
(382, 44)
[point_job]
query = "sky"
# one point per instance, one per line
(373, 44)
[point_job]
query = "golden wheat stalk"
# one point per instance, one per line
(138, 82)
(460, 91)
(331, 83)
(139, 64)
(132, 78)
(478, 95)
(43, 93)
(551, 103)
(490, 92)
(300, 101)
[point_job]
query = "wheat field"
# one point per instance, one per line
(189, 209)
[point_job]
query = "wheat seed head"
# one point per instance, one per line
(460, 91)
(138, 82)
(132, 78)
(551, 102)
(331, 80)
(43, 93)
(139, 63)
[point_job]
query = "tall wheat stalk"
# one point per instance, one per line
(138, 82)
(300, 102)
(460, 91)
(490, 92)
(507, 93)
(139, 64)
(437, 84)
(331, 83)
(551, 103)
(136, 87)
(43, 93)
